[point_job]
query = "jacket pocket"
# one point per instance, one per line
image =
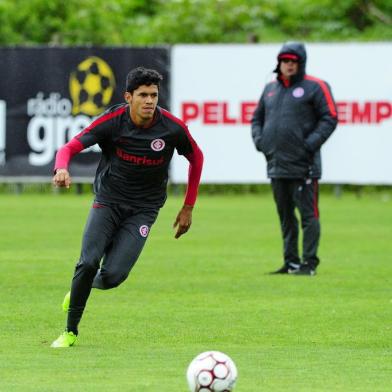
(266, 143)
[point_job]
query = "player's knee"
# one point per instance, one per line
(90, 263)
(310, 218)
(312, 224)
(114, 278)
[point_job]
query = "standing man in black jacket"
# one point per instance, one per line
(295, 116)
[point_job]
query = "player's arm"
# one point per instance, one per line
(325, 107)
(257, 123)
(64, 155)
(184, 218)
(94, 133)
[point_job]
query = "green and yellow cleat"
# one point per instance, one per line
(66, 339)
(66, 301)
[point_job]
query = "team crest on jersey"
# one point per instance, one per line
(298, 92)
(158, 144)
(143, 230)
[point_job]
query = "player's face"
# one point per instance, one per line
(143, 102)
(288, 67)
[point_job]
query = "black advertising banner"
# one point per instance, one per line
(49, 95)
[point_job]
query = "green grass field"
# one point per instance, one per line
(207, 291)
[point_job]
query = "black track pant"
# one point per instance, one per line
(290, 194)
(115, 236)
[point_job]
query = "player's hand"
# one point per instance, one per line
(183, 221)
(62, 178)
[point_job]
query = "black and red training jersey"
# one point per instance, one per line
(134, 165)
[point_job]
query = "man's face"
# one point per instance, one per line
(288, 67)
(143, 102)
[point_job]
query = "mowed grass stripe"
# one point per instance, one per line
(208, 290)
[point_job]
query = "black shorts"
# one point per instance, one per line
(113, 238)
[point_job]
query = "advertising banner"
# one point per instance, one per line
(215, 89)
(49, 95)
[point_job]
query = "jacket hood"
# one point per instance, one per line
(295, 48)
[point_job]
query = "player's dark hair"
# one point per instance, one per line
(141, 76)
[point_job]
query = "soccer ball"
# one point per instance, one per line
(211, 371)
(91, 86)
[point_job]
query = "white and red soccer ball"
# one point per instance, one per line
(211, 371)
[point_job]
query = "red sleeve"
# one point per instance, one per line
(66, 152)
(195, 159)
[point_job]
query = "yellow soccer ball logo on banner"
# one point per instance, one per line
(91, 86)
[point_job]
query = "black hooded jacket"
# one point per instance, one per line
(291, 122)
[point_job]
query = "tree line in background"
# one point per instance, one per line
(156, 22)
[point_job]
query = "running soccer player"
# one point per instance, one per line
(137, 140)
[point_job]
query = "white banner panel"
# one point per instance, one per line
(215, 89)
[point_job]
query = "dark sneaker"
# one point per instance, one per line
(304, 269)
(289, 268)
